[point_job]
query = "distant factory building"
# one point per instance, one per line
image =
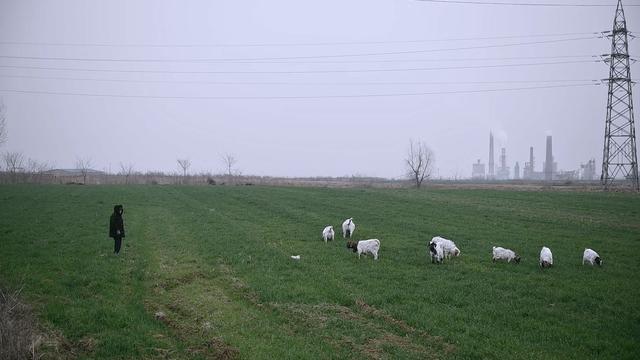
(503, 170)
(478, 171)
(588, 170)
(529, 167)
(549, 167)
(568, 175)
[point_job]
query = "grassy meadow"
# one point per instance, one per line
(216, 260)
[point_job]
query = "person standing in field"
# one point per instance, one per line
(116, 228)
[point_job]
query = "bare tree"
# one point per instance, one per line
(37, 169)
(184, 165)
(3, 125)
(456, 174)
(84, 165)
(229, 161)
(13, 161)
(419, 162)
(127, 171)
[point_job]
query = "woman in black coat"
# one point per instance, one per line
(116, 227)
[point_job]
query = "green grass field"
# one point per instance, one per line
(216, 261)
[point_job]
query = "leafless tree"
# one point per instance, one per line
(3, 125)
(419, 162)
(184, 165)
(229, 161)
(456, 174)
(127, 171)
(84, 165)
(37, 169)
(13, 161)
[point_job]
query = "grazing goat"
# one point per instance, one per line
(448, 247)
(546, 258)
(436, 251)
(500, 253)
(591, 257)
(348, 227)
(370, 246)
(328, 233)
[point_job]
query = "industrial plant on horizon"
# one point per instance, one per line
(549, 167)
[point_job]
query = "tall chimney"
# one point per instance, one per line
(548, 164)
(491, 173)
(531, 160)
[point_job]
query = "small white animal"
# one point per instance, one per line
(348, 227)
(448, 247)
(436, 251)
(295, 257)
(500, 253)
(328, 233)
(591, 257)
(546, 258)
(370, 246)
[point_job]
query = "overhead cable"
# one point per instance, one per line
(299, 83)
(296, 71)
(468, 2)
(298, 44)
(295, 97)
(418, 51)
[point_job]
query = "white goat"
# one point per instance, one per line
(348, 227)
(328, 233)
(591, 257)
(448, 247)
(370, 246)
(546, 257)
(436, 251)
(500, 253)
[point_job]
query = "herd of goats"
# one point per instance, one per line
(441, 248)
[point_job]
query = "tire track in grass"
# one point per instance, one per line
(209, 308)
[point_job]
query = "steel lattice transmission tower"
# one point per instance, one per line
(619, 157)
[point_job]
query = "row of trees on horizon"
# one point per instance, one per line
(419, 163)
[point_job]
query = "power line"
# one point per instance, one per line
(298, 71)
(419, 51)
(520, 3)
(295, 83)
(360, 61)
(336, 43)
(292, 97)
(54, 58)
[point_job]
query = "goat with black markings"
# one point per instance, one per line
(371, 246)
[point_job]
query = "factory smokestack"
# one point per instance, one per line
(491, 173)
(548, 164)
(531, 159)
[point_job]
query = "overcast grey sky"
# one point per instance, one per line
(182, 109)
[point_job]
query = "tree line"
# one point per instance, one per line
(419, 164)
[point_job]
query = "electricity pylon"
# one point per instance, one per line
(619, 159)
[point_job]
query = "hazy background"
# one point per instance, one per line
(323, 136)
